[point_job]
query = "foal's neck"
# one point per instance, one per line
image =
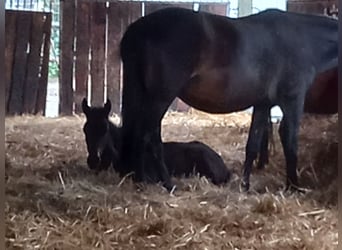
(115, 133)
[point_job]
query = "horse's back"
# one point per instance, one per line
(219, 56)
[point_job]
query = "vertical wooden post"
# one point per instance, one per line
(120, 15)
(44, 72)
(97, 63)
(10, 37)
(245, 7)
(67, 13)
(82, 53)
(20, 63)
(33, 64)
(116, 25)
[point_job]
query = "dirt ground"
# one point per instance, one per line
(54, 202)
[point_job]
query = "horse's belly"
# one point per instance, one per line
(213, 93)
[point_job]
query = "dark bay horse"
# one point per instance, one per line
(219, 65)
(322, 96)
(103, 140)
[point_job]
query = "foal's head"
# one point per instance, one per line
(96, 130)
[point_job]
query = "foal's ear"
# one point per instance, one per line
(85, 106)
(107, 107)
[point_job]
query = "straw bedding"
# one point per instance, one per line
(54, 202)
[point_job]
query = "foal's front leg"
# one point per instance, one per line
(105, 159)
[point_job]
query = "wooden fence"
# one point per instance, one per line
(27, 44)
(318, 7)
(90, 36)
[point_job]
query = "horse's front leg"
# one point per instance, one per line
(288, 131)
(153, 164)
(158, 154)
(256, 132)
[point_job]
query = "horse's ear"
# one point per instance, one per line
(108, 107)
(85, 106)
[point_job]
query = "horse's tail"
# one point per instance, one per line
(133, 81)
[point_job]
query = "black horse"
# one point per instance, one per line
(103, 140)
(219, 65)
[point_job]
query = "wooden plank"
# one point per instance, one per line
(10, 37)
(19, 67)
(116, 25)
(120, 15)
(44, 72)
(33, 64)
(97, 64)
(214, 8)
(82, 54)
(134, 10)
(152, 7)
(66, 57)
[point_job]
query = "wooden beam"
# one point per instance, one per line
(82, 54)
(10, 38)
(116, 28)
(44, 72)
(20, 63)
(33, 64)
(67, 14)
(97, 63)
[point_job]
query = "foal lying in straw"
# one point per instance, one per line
(103, 140)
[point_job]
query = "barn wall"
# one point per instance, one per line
(27, 38)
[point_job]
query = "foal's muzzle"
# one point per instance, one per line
(93, 161)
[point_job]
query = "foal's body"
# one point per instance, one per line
(184, 159)
(187, 158)
(181, 158)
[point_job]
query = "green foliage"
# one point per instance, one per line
(53, 69)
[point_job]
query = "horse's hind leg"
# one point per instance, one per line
(288, 131)
(256, 131)
(263, 154)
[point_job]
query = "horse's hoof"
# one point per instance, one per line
(260, 166)
(244, 186)
(290, 188)
(169, 186)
